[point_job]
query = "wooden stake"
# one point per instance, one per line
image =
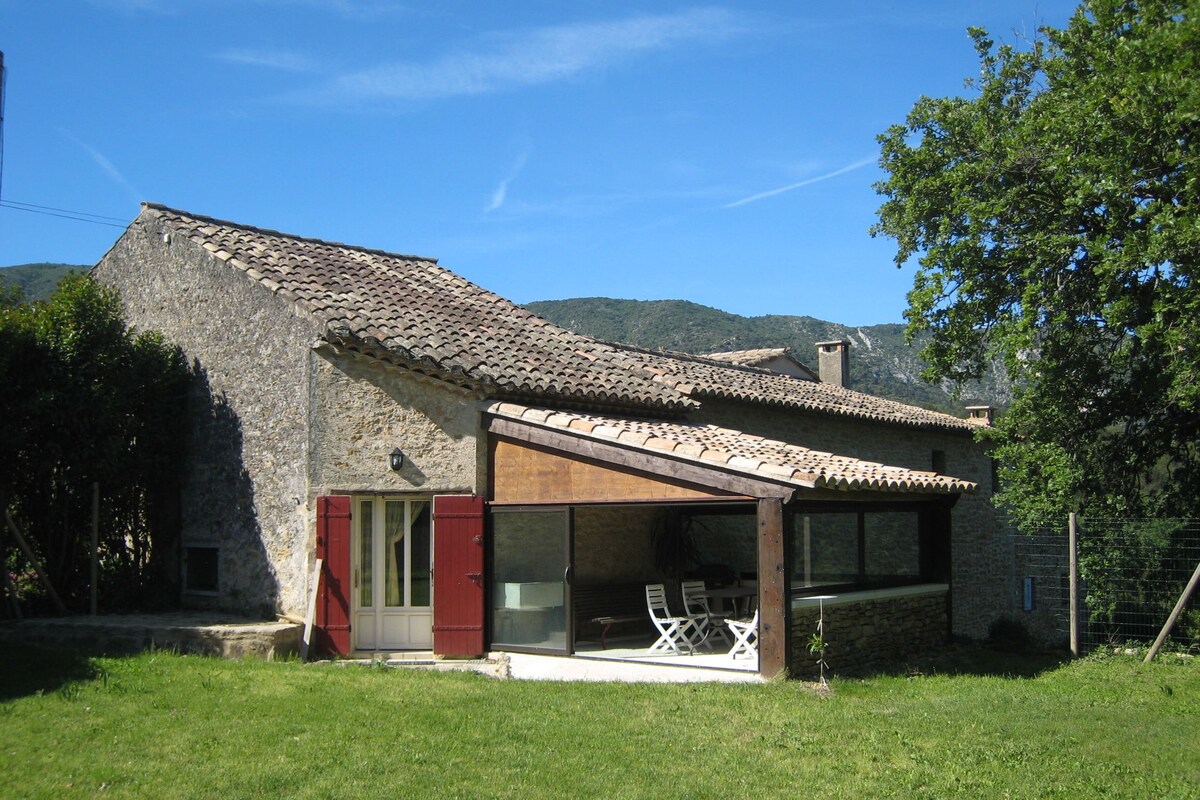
(9, 588)
(1166, 629)
(37, 567)
(312, 611)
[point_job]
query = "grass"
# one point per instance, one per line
(160, 725)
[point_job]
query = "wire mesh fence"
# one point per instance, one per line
(1131, 573)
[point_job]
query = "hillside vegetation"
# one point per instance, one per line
(37, 281)
(881, 363)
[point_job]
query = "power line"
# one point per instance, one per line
(49, 211)
(3, 75)
(16, 203)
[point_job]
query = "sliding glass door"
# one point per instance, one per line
(531, 558)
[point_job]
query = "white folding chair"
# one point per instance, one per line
(695, 605)
(745, 636)
(675, 633)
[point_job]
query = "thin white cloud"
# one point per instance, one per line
(807, 182)
(351, 9)
(107, 166)
(501, 193)
(527, 58)
(271, 59)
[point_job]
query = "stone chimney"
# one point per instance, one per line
(980, 415)
(833, 362)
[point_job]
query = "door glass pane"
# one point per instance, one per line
(419, 536)
(393, 544)
(529, 556)
(366, 527)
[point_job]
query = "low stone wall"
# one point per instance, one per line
(186, 632)
(866, 630)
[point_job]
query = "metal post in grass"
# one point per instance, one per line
(1073, 583)
(95, 546)
(1166, 629)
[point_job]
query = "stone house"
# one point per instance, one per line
(473, 477)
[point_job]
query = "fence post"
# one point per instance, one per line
(95, 593)
(1073, 582)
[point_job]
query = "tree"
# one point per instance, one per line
(87, 400)
(1055, 217)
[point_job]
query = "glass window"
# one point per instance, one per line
(892, 546)
(366, 530)
(419, 534)
(826, 549)
(394, 545)
(856, 548)
(201, 569)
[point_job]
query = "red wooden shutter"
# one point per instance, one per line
(458, 575)
(333, 597)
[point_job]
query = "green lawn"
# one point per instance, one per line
(162, 726)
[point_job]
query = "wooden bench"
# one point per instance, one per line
(606, 605)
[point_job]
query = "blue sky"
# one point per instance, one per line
(723, 154)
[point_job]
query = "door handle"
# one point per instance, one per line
(475, 576)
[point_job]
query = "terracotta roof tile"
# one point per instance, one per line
(701, 377)
(739, 452)
(425, 316)
(412, 311)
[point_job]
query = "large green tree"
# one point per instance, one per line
(87, 400)
(1054, 213)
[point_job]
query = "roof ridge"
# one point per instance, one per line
(701, 359)
(828, 389)
(295, 236)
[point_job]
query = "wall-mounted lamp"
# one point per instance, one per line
(396, 459)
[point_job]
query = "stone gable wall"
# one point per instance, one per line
(246, 484)
(277, 418)
(982, 555)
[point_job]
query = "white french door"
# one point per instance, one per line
(392, 561)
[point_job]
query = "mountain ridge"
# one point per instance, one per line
(882, 363)
(38, 281)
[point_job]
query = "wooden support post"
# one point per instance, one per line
(1166, 629)
(95, 548)
(9, 588)
(1073, 583)
(774, 590)
(37, 566)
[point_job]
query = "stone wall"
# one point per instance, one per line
(616, 545)
(869, 633)
(361, 409)
(245, 484)
(982, 571)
